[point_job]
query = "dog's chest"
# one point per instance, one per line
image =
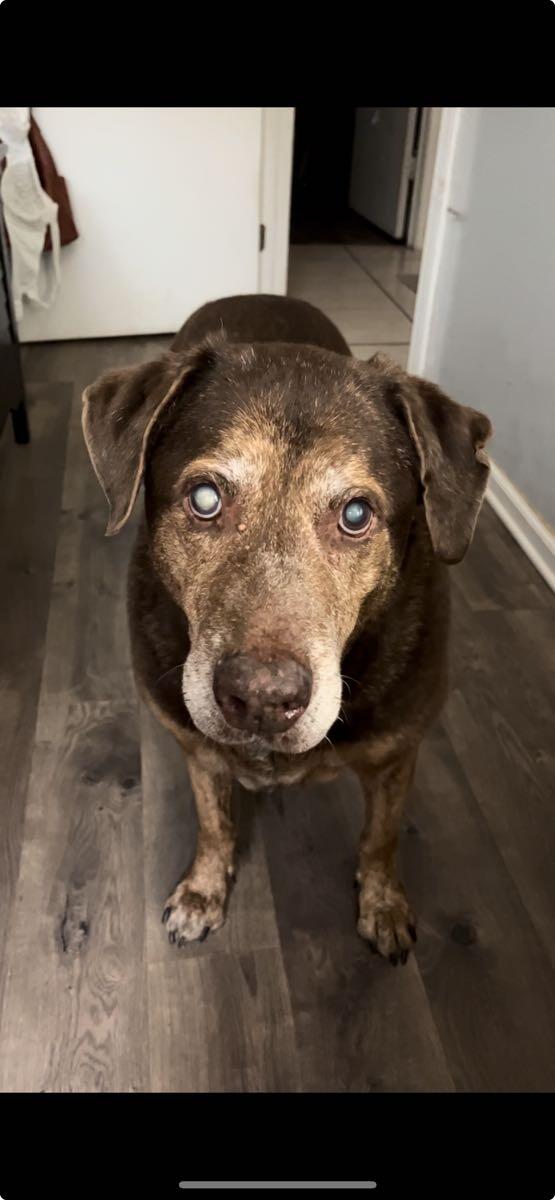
(259, 773)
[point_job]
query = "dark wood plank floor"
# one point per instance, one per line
(97, 822)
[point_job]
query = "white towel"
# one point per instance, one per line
(28, 213)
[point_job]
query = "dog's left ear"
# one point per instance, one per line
(454, 467)
(120, 411)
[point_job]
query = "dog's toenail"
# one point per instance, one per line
(204, 933)
(165, 915)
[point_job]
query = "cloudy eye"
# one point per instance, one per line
(356, 516)
(205, 501)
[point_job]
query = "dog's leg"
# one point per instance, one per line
(197, 906)
(385, 918)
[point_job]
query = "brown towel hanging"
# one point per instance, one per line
(54, 186)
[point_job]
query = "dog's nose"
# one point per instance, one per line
(261, 697)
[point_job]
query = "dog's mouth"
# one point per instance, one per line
(273, 704)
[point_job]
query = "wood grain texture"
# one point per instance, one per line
(97, 823)
(89, 655)
(223, 1024)
(170, 839)
(487, 977)
(220, 1012)
(74, 1015)
(495, 576)
(499, 718)
(360, 1025)
(30, 489)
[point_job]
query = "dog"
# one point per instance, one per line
(300, 507)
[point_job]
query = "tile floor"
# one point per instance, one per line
(363, 289)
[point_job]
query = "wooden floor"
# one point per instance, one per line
(97, 823)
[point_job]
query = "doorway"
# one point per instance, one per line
(361, 182)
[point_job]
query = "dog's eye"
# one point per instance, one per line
(356, 516)
(205, 501)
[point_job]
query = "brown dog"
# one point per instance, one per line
(299, 508)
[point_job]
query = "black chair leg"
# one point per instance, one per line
(20, 422)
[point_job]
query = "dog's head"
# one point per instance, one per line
(281, 484)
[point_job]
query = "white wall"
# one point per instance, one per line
(484, 326)
(166, 201)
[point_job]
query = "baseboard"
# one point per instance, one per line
(532, 535)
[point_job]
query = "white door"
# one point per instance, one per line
(167, 204)
(383, 166)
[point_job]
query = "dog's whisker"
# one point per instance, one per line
(178, 667)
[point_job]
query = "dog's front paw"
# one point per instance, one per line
(385, 919)
(191, 914)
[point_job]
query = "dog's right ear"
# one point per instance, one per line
(449, 439)
(120, 411)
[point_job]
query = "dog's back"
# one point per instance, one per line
(262, 319)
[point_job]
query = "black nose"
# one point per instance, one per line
(261, 697)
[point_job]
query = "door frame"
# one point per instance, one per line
(276, 172)
(425, 162)
(436, 228)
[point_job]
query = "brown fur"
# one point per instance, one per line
(262, 394)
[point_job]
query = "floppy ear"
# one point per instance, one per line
(120, 411)
(454, 468)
